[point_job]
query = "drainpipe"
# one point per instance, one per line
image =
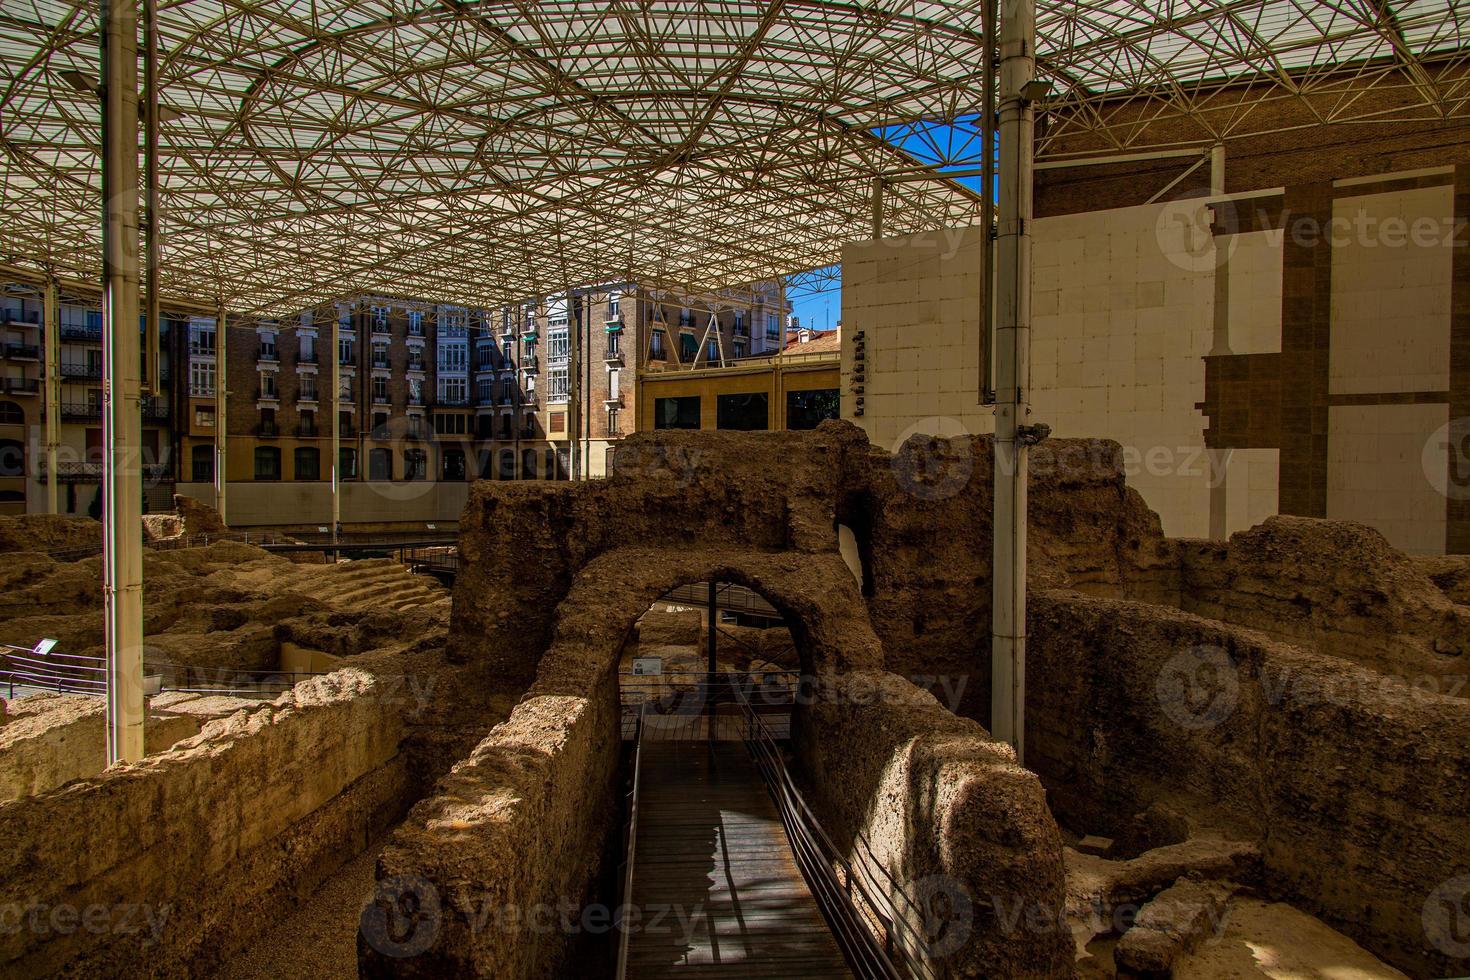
(122, 485)
(51, 324)
(1012, 347)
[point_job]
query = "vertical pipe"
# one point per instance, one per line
(221, 408)
(122, 484)
(334, 352)
(1013, 316)
(51, 336)
(712, 626)
(1217, 169)
(150, 182)
(987, 211)
(877, 208)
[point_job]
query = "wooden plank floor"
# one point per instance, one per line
(714, 868)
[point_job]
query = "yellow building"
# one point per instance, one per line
(794, 389)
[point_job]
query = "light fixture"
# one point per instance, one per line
(80, 81)
(167, 113)
(1036, 90)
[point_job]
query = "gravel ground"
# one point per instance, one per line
(319, 939)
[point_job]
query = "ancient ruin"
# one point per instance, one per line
(1219, 737)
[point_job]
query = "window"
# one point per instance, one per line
(416, 323)
(415, 426)
(612, 385)
(201, 379)
(308, 424)
(454, 468)
(267, 347)
(201, 463)
(450, 425)
(344, 388)
(308, 464)
(688, 347)
(267, 463)
(773, 327)
(346, 464)
(685, 317)
(415, 359)
(484, 391)
(743, 412)
(380, 464)
(528, 464)
(346, 351)
(505, 426)
(415, 464)
(676, 413)
(612, 344)
(656, 345)
(507, 465)
(808, 409)
(307, 354)
(557, 384)
(380, 425)
(201, 336)
(204, 416)
(415, 391)
(380, 318)
(11, 414)
(558, 346)
(739, 348)
(454, 391)
(344, 423)
(454, 355)
(380, 354)
(529, 428)
(267, 384)
(739, 323)
(12, 457)
(712, 350)
(268, 422)
(380, 390)
(612, 306)
(306, 388)
(612, 422)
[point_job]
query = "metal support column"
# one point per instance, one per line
(122, 476)
(1013, 341)
(334, 351)
(51, 337)
(221, 407)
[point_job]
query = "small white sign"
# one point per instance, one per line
(431, 527)
(44, 647)
(648, 666)
(322, 529)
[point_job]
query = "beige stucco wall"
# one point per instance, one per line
(256, 503)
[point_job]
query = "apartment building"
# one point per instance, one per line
(23, 471)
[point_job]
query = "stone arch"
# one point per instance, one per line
(815, 594)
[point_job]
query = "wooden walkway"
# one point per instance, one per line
(713, 860)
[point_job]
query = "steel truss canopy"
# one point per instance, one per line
(484, 152)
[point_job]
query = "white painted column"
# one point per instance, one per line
(51, 337)
(122, 477)
(1012, 348)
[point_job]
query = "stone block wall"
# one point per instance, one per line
(111, 872)
(1354, 789)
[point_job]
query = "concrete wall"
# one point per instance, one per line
(1353, 787)
(117, 870)
(1254, 353)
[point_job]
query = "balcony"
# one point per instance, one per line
(380, 362)
(347, 431)
(83, 334)
(81, 372)
(741, 330)
(201, 350)
(453, 401)
(155, 410)
(29, 318)
(201, 391)
(269, 355)
(307, 430)
(92, 472)
(528, 362)
(264, 395)
(417, 364)
(417, 401)
(22, 386)
(614, 399)
(307, 397)
(380, 399)
(307, 357)
(614, 357)
(267, 430)
(81, 412)
(22, 352)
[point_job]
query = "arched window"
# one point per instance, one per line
(11, 414)
(380, 464)
(549, 471)
(415, 464)
(267, 463)
(347, 464)
(12, 458)
(507, 463)
(201, 459)
(528, 464)
(453, 464)
(308, 463)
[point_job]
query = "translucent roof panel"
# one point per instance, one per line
(488, 151)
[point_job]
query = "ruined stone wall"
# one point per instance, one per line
(945, 810)
(1353, 786)
(292, 788)
(1335, 587)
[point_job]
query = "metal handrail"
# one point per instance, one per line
(68, 673)
(817, 855)
(631, 849)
